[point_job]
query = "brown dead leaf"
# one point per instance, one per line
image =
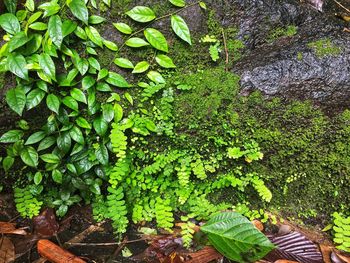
(45, 224)
(341, 257)
(173, 258)
(258, 225)
(326, 253)
(205, 255)
(10, 228)
(7, 250)
(285, 261)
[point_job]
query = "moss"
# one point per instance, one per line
(279, 32)
(324, 47)
(300, 56)
(2, 80)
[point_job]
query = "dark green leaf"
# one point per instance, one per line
(35, 137)
(55, 30)
(50, 158)
(17, 41)
(102, 154)
(46, 143)
(68, 27)
(10, 23)
(76, 135)
(79, 10)
(71, 103)
(108, 112)
(165, 62)
(136, 42)
(117, 80)
(100, 126)
(34, 98)
(17, 65)
(141, 14)
(7, 163)
(180, 28)
(78, 95)
(156, 39)
(104, 87)
(29, 156)
(57, 176)
(63, 209)
(47, 65)
(124, 28)
(16, 99)
(87, 82)
(53, 103)
(64, 142)
(11, 136)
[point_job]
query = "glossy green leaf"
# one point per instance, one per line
(38, 177)
(78, 95)
(50, 8)
(34, 98)
(46, 143)
(79, 10)
(107, 2)
(124, 28)
(156, 77)
(30, 5)
(110, 45)
(17, 65)
(102, 154)
(203, 5)
(124, 63)
(165, 62)
(94, 20)
(83, 123)
(53, 103)
(142, 14)
(141, 67)
(70, 103)
(229, 230)
(178, 3)
(136, 42)
(103, 87)
(94, 63)
(29, 156)
(118, 112)
(47, 65)
(88, 82)
(54, 28)
(7, 163)
(68, 27)
(57, 176)
(40, 26)
(102, 74)
(35, 137)
(108, 112)
(156, 39)
(180, 28)
(11, 136)
(94, 35)
(16, 99)
(117, 80)
(76, 135)
(50, 158)
(17, 41)
(34, 17)
(79, 32)
(10, 23)
(129, 98)
(100, 126)
(64, 142)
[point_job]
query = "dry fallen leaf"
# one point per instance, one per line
(7, 250)
(285, 261)
(326, 253)
(45, 224)
(10, 228)
(258, 225)
(341, 257)
(205, 255)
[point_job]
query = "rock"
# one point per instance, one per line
(284, 230)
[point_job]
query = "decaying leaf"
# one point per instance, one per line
(45, 224)
(326, 253)
(7, 250)
(205, 255)
(10, 228)
(336, 257)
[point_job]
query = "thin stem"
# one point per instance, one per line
(346, 9)
(225, 45)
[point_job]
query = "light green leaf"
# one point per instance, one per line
(17, 41)
(50, 158)
(124, 28)
(10, 23)
(102, 74)
(68, 27)
(180, 28)
(40, 26)
(136, 42)
(76, 135)
(142, 14)
(103, 87)
(79, 32)
(34, 17)
(29, 156)
(8, 162)
(124, 63)
(57, 176)
(16, 99)
(30, 5)
(100, 126)
(165, 62)
(107, 2)
(35, 137)
(79, 10)
(108, 112)
(118, 112)
(129, 98)
(156, 39)
(70, 103)
(83, 123)
(17, 65)
(34, 98)
(47, 65)
(94, 63)
(178, 3)
(141, 67)
(11, 136)
(53, 103)
(50, 8)
(102, 154)
(94, 19)
(117, 80)
(87, 82)
(94, 36)
(110, 45)
(230, 229)
(38, 177)
(55, 30)
(203, 5)
(78, 95)
(156, 77)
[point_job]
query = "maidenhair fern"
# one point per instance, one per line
(164, 214)
(342, 231)
(118, 140)
(27, 205)
(116, 209)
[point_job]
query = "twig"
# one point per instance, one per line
(117, 251)
(91, 244)
(225, 45)
(346, 9)
(81, 236)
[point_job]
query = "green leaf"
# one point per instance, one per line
(50, 8)
(38, 177)
(141, 67)
(40, 26)
(110, 45)
(78, 95)
(50, 158)
(83, 123)
(17, 41)
(34, 17)
(87, 82)
(35, 137)
(136, 42)
(80, 33)
(57, 176)
(64, 142)
(29, 156)
(94, 36)
(55, 30)
(129, 98)
(180, 28)
(94, 63)
(102, 74)
(230, 230)
(100, 126)
(30, 5)
(203, 5)
(76, 135)
(53, 103)
(156, 39)
(11, 136)
(103, 87)
(7, 163)
(118, 112)
(165, 62)
(10, 23)
(102, 154)
(46, 143)
(79, 10)
(107, 2)
(94, 19)
(70, 103)
(124, 63)
(34, 98)
(117, 80)
(108, 112)
(156, 77)
(16, 99)
(17, 65)
(124, 28)
(68, 27)
(142, 14)
(178, 3)
(47, 65)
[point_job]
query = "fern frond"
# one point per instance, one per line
(117, 211)
(119, 172)
(164, 214)
(27, 205)
(118, 141)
